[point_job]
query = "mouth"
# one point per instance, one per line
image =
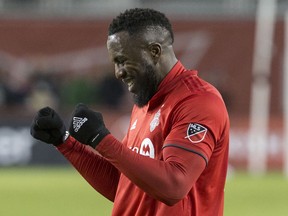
(130, 83)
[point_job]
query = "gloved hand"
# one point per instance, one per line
(48, 127)
(87, 126)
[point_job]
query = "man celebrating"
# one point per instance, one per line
(173, 159)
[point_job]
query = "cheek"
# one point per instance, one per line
(118, 72)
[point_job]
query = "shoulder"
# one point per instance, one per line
(194, 92)
(204, 104)
(198, 100)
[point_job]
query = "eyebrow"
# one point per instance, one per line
(119, 58)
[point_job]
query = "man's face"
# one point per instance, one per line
(134, 66)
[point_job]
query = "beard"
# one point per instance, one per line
(149, 85)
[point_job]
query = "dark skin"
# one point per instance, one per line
(134, 59)
(142, 61)
(168, 180)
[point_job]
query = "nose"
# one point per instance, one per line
(120, 72)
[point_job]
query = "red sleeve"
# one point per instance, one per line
(198, 128)
(168, 180)
(97, 171)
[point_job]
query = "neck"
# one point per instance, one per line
(167, 62)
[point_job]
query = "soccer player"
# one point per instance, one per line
(173, 159)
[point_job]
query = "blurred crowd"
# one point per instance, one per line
(28, 92)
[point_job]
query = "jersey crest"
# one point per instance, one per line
(155, 121)
(196, 132)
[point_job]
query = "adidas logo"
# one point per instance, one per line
(78, 122)
(134, 125)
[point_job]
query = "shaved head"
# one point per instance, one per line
(139, 20)
(140, 46)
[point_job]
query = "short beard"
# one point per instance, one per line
(149, 88)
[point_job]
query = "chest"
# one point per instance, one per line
(148, 130)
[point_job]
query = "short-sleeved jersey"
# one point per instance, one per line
(187, 113)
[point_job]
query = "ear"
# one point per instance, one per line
(155, 50)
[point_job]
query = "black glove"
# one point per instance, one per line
(48, 127)
(87, 126)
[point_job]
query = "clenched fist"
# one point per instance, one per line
(48, 127)
(87, 126)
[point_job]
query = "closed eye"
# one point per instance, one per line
(119, 60)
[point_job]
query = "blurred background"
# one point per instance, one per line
(53, 53)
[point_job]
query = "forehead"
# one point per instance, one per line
(124, 43)
(118, 41)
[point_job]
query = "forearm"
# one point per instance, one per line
(97, 171)
(167, 180)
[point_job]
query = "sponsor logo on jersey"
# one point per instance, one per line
(146, 148)
(78, 122)
(196, 132)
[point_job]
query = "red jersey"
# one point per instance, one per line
(173, 160)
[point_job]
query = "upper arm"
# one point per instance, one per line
(197, 125)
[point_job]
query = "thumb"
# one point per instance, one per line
(46, 111)
(81, 106)
(48, 122)
(47, 118)
(80, 110)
